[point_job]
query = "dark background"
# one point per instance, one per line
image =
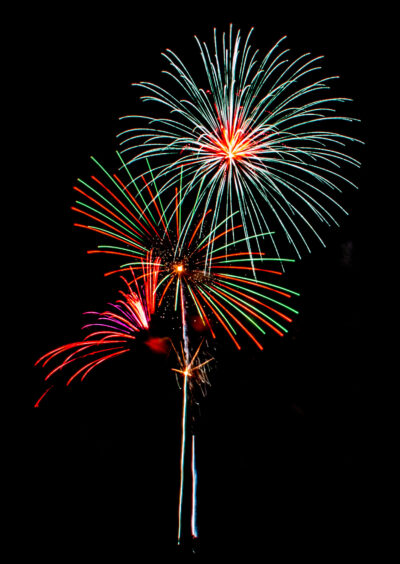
(289, 449)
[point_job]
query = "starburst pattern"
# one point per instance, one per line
(194, 369)
(256, 138)
(224, 281)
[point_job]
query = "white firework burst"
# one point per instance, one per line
(256, 139)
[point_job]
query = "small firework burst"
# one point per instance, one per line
(193, 369)
(113, 331)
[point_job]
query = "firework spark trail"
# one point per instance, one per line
(188, 371)
(194, 490)
(113, 331)
(184, 407)
(183, 453)
(192, 371)
(255, 139)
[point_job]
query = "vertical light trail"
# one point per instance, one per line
(183, 449)
(184, 407)
(184, 327)
(194, 490)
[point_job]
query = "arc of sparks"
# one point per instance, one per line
(112, 332)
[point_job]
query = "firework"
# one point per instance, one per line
(238, 163)
(255, 138)
(192, 371)
(224, 281)
(113, 332)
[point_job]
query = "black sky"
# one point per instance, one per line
(288, 443)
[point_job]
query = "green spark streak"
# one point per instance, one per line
(157, 196)
(195, 302)
(185, 230)
(214, 229)
(137, 189)
(119, 212)
(221, 313)
(109, 218)
(124, 249)
(237, 308)
(262, 283)
(120, 189)
(178, 283)
(254, 308)
(110, 233)
(261, 259)
(135, 264)
(251, 291)
(240, 241)
(140, 263)
(268, 100)
(162, 281)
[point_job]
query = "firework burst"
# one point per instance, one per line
(113, 332)
(256, 139)
(222, 279)
(193, 368)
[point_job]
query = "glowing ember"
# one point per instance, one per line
(230, 144)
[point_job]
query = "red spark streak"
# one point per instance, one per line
(247, 254)
(120, 220)
(232, 146)
(131, 316)
(51, 354)
(73, 357)
(93, 364)
(156, 206)
(165, 290)
(247, 268)
(119, 270)
(197, 228)
(254, 283)
(115, 198)
(230, 142)
(218, 236)
(103, 223)
(152, 272)
(237, 321)
(92, 252)
(137, 206)
(203, 315)
(42, 396)
(220, 318)
(251, 311)
(251, 298)
(108, 234)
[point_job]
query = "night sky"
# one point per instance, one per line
(288, 445)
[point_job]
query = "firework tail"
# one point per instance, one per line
(187, 464)
(186, 420)
(194, 489)
(183, 453)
